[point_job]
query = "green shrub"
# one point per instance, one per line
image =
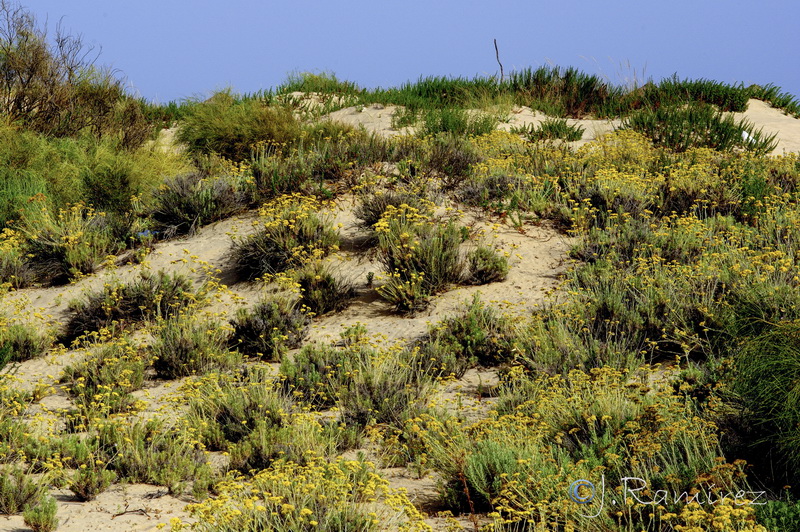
(231, 126)
(269, 328)
(151, 296)
(41, 517)
(338, 151)
(187, 345)
(698, 125)
(315, 374)
(551, 129)
(388, 391)
(368, 386)
(421, 256)
(779, 515)
(554, 430)
(297, 440)
(477, 336)
(229, 408)
(322, 291)
(451, 157)
(275, 174)
(490, 191)
(782, 100)
(674, 91)
(20, 342)
(322, 495)
(153, 452)
(14, 432)
(51, 85)
(456, 122)
(118, 181)
(290, 231)
(90, 480)
(767, 378)
(18, 491)
(486, 265)
(324, 83)
(562, 91)
(103, 381)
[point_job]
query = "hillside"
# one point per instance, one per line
(437, 306)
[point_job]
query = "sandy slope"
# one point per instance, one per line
(772, 120)
(537, 258)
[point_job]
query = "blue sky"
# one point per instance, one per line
(171, 49)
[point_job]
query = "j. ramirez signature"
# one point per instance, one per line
(583, 492)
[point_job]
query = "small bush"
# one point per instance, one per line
(322, 495)
(299, 438)
(104, 380)
(551, 129)
(275, 174)
(20, 342)
(153, 452)
(269, 328)
(41, 517)
(388, 391)
(368, 386)
(477, 336)
(338, 151)
(421, 256)
(160, 295)
(779, 515)
(290, 231)
(14, 268)
(186, 345)
(406, 292)
(63, 246)
(18, 491)
(230, 126)
(90, 480)
(562, 91)
(315, 374)
(486, 265)
(452, 158)
(321, 291)
(488, 191)
(767, 377)
(52, 86)
(187, 202)
(372, 206)
(14, 432)
(228, 408)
